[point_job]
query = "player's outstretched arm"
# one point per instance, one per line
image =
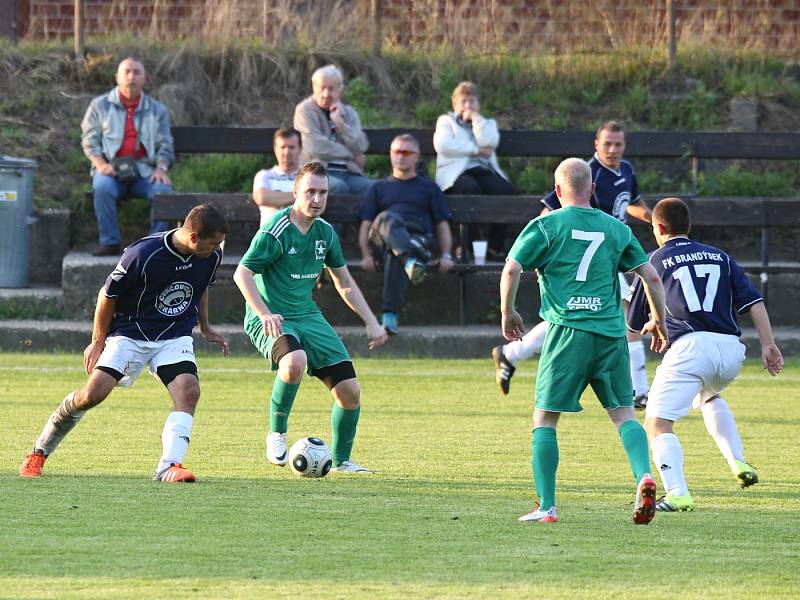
(771, 356)
(246, 282)
(103, 314)
(351, 294)
(656, 298)
(510, 320)
(210, 334)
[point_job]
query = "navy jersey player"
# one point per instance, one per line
(705, 291)
(145, 314)
(617, 194)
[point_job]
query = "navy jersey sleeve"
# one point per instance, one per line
(369, 205)
(218, 256)
(551, 201)
(124, 276)
(440, 211)
(639, 309)
(745, 295)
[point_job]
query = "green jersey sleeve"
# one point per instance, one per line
(529, 250)
(334, 258)
(633, 255)
(264, 250)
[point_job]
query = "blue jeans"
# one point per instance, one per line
(344, 182)
(106, 191)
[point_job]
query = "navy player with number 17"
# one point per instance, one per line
(145, 314)
(617, 194)
(705, 288)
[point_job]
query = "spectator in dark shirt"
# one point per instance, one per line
(398, 219)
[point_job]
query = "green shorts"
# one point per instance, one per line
(322, 345)
(572, 359)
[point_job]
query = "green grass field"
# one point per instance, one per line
(438, 520)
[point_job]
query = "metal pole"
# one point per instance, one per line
(672, 46)
(376, 7)
(79, 32)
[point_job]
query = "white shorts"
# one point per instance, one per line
(698, 366)
(129, 356)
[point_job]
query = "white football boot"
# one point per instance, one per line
(276, 448)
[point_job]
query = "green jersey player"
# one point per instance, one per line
(578, 251)
(277, 276)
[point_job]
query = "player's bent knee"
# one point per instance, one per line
(347, 394)
(292, 366)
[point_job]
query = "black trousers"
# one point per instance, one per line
(482, 181)
(393, 240)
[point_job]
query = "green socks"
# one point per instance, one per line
(634, 440)
(343, 425)
(281, 404)
(545, 464)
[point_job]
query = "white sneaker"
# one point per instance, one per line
(276, 448)
(350, 466)
(541, 516)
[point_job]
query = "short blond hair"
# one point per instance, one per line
(465, 88)
(575, 175)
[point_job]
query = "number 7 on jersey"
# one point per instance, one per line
(595, 238)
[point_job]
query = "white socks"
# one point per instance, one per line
(530, 344)
(175, 439)
(722, 427)
(638, 369)
(668, 458)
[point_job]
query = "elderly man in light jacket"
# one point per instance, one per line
(332, 133)
(466, 163)
(126, 136)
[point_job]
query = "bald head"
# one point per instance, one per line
(574, 182)
(130, 78)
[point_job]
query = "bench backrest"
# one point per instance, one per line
(656, 144)
(706, 211)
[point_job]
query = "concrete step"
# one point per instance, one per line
(474, 341)
(436, 301)
(33, 302)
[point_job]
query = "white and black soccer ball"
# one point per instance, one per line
(310, 457)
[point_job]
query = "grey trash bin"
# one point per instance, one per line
(16, 217)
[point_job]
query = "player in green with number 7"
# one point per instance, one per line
(578, 251)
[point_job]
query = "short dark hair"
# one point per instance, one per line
(673, 214)
(612, 126)
(284, 133)
(408, 138)
(313, 168)
(206, 220)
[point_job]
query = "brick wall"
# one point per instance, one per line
(477, 24)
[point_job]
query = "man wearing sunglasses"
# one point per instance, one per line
(399, 216)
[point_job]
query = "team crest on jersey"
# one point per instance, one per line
(174, 299)
(621, 203)
(320, 249)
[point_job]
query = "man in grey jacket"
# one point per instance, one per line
(126, 136)
(332, 133)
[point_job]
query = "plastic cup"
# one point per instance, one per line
(479, 251)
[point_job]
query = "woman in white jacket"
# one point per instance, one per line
(465, 159)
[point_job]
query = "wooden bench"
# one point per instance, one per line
(765, 214)
(467, 210)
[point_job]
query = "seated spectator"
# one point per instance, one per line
(126, 136)
(466, 163)
(398, 216)
(332, 133)
(272, 188)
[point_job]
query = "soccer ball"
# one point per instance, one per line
(310, 457)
